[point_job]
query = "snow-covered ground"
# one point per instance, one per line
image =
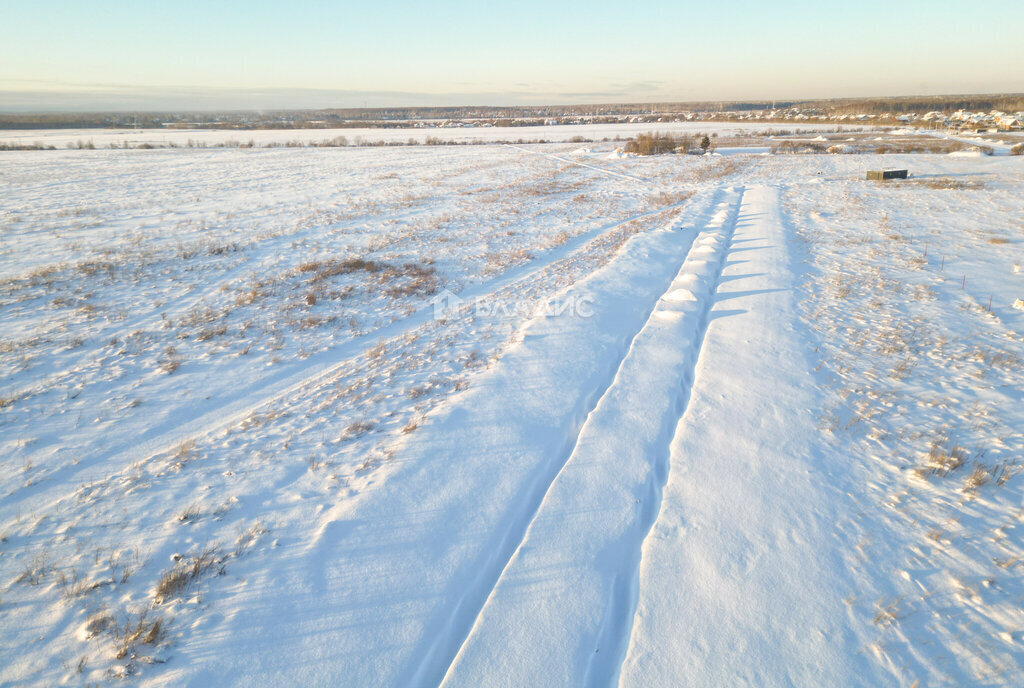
(104, 138)
(510, 415)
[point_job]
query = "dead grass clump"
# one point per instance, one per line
(559, 239)
(98, 623)
(998, 241)
(887, 614)
(927, 144)
(983, 474)
(91, 268)
(186, 452)
(185, 571)
(325, 269)
(191, 513)
(248, 537)
(72, 586)
(208, 333)
(978, 477)
(665, 198)
(256, 291)
(407, 279)
(123, 565)
(134, 630)
(841, 288)
(418, 391)
(996, 358)
(206, 247)
(939, 183)
(1018, 149)
(170, 360)
(377, 352)
(357, 428)
(417, 280)
(36, 570)
(942, 458)
(499, 262)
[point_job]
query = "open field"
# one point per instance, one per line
(104, 138)
(511, 414)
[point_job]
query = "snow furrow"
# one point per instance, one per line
(449, 641)
(559, 614)
(568, 161)
(739, 582)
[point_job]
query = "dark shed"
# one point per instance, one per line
(882, 175)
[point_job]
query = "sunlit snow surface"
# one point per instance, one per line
(743, 419)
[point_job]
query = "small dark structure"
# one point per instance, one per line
(882, 175)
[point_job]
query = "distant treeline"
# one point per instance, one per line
(920, 105)
(497, 116)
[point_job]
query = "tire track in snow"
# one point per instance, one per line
(743, 575)
(434, 663)
(569, 161)
(606, 667)
(475, 623)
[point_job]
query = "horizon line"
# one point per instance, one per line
(486, 100)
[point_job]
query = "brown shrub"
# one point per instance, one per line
(656, 144)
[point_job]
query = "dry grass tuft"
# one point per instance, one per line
(210, 332)
(666, 198)
(72, 586)
(248, 537)
(186, 571)
(190, 514)
(136, 629)
(942, 459)
(170, 361)
(357, 428)
(405, 279)
(939, 183)
(98, 623)
(887, 614)
(377, 352)
(321, 270)
(36, 570)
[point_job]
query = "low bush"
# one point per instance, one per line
(656, 144)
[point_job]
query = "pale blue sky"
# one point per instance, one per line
(309, 53)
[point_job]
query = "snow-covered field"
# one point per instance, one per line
(105, 138)
(510, 415)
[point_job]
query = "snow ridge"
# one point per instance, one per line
(446, 645)
(601, 504)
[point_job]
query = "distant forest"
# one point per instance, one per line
(920, 105)
(499, 116)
